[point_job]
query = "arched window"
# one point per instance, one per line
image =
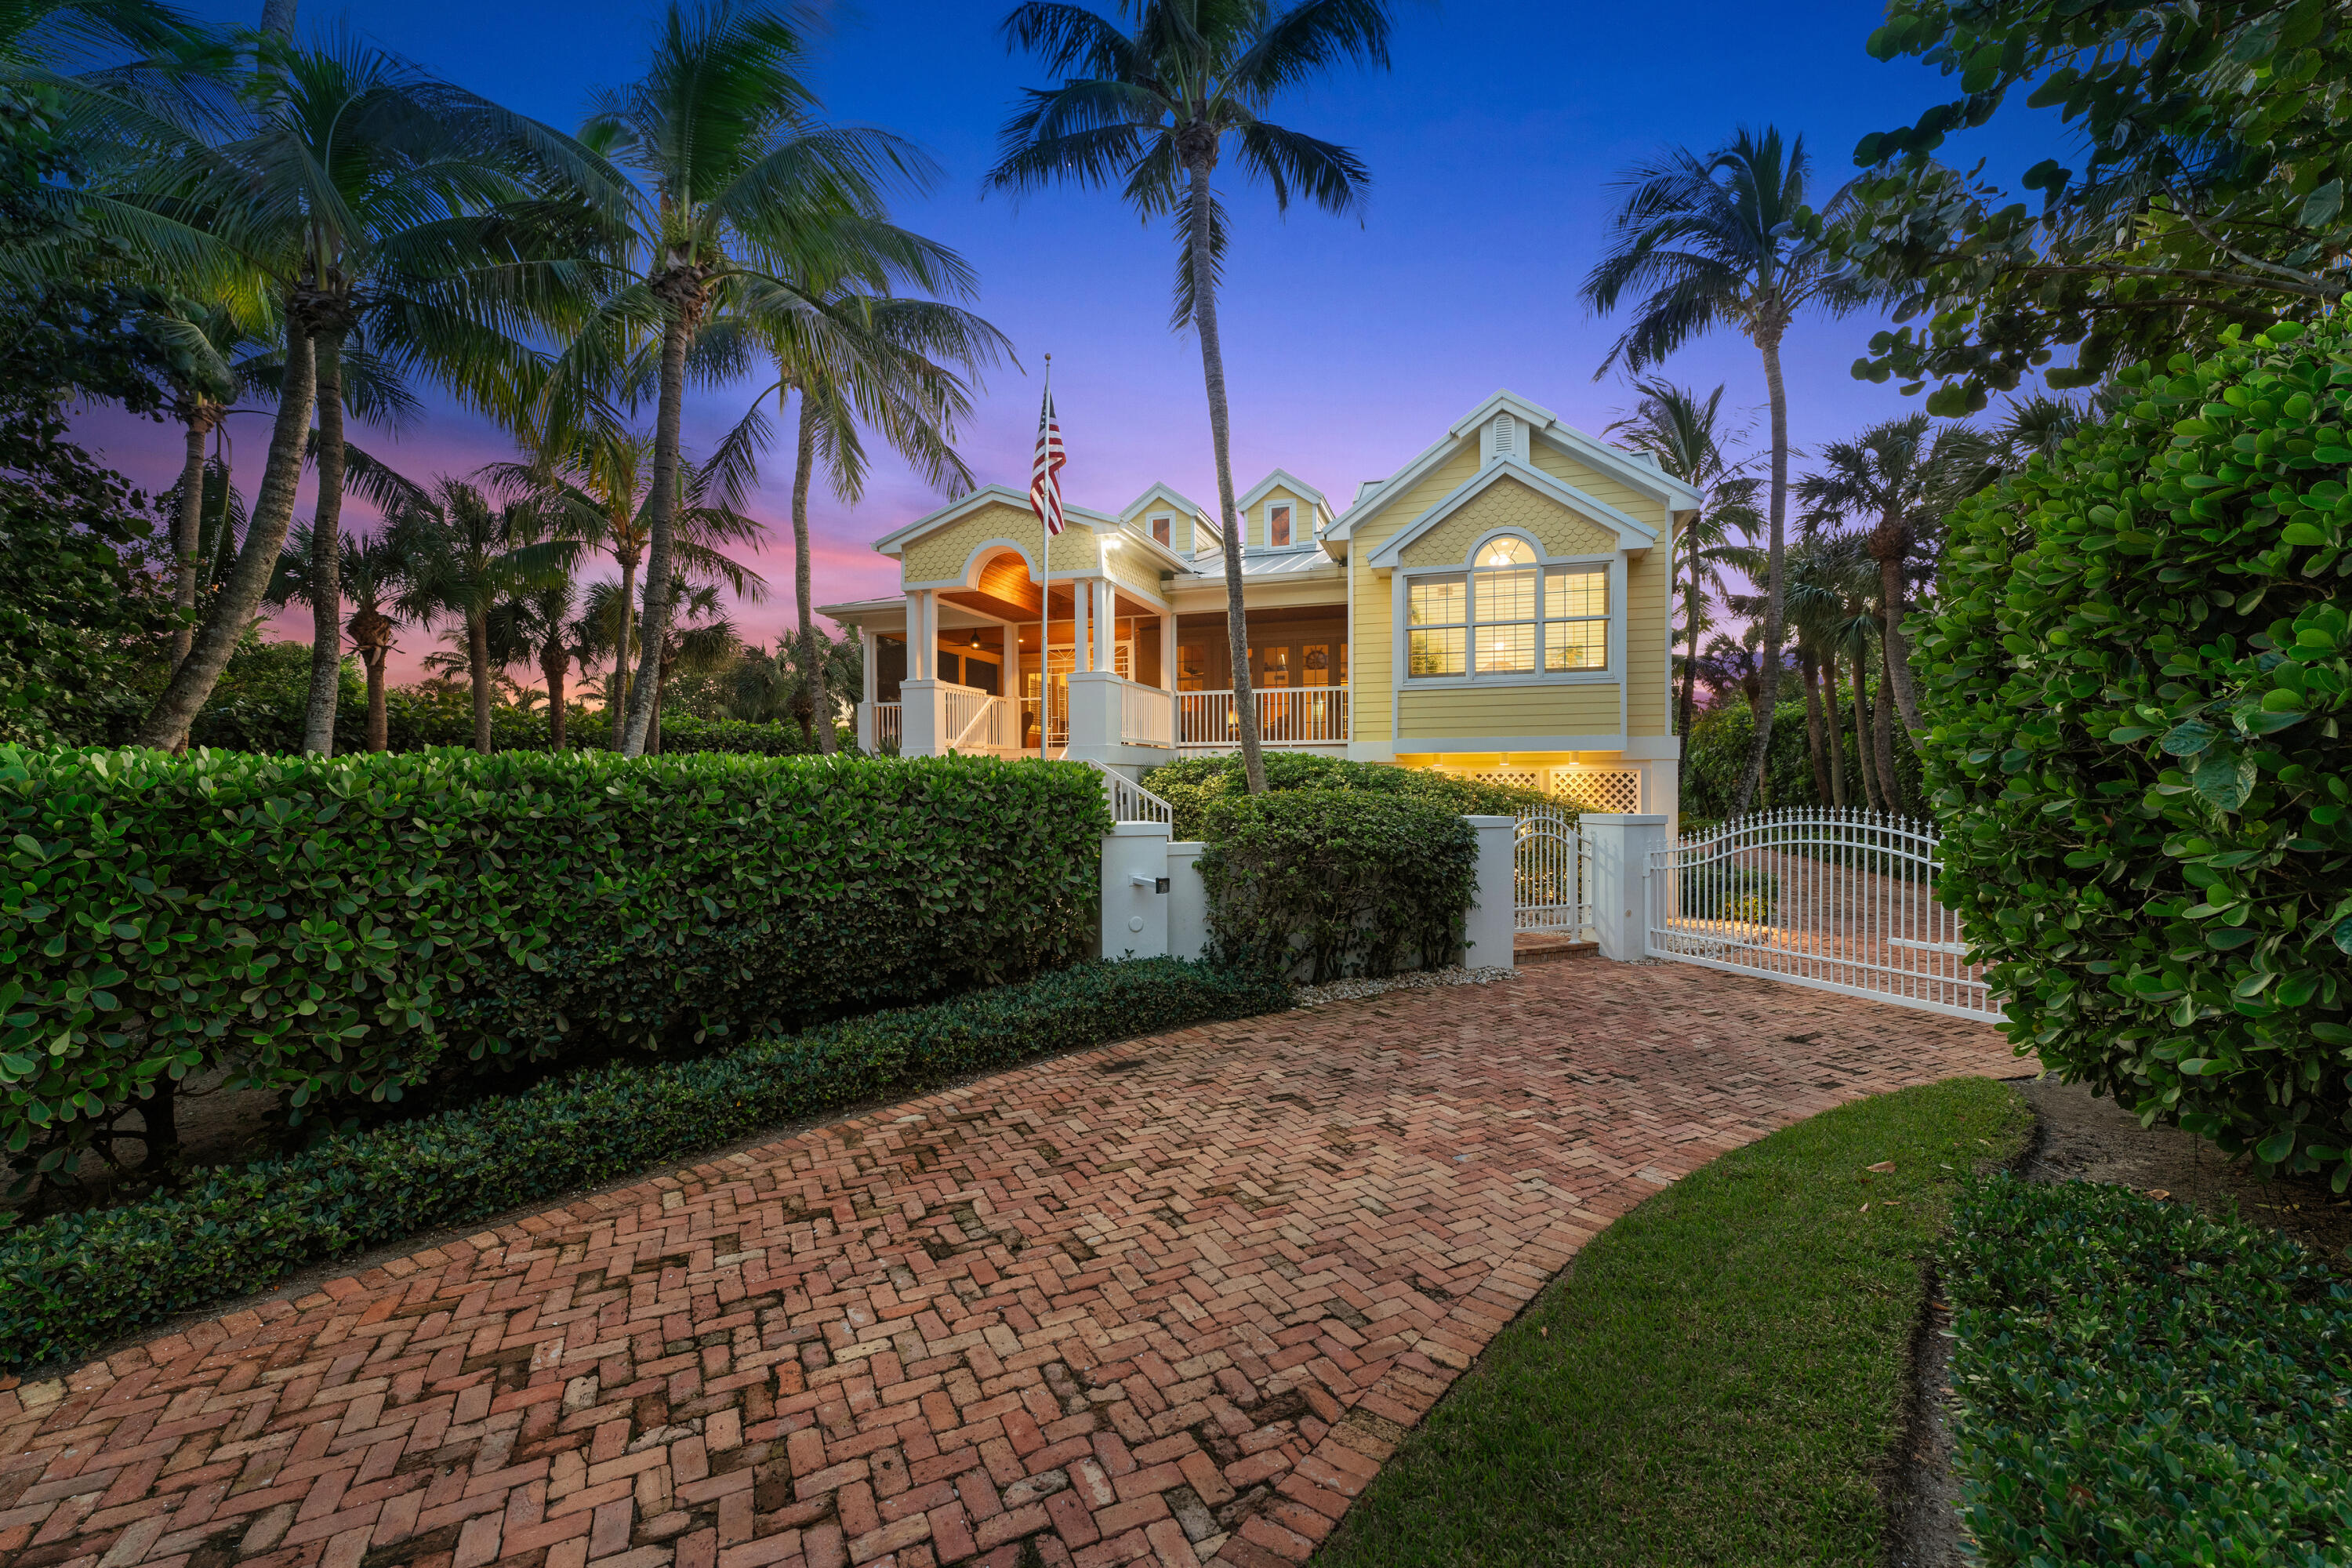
(1509, 615)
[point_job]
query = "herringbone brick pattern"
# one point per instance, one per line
(1174, 1301)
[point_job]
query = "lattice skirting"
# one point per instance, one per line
(1587, 789)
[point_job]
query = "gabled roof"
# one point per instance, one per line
(1631, 533)
(1283, 478)
(1162, 497)
(964, 505)
(1542, 425)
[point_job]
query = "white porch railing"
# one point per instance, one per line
(889, 726)
(977, 721)
(1129, 801)
(1146, 716)
(1286, 716)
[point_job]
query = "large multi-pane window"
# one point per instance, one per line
(1509, 615)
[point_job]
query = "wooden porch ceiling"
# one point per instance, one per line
(1016, 600)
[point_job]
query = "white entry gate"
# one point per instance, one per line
(1551, 878)
(1843, 901)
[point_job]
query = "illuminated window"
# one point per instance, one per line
(1576, 619)
(1160, 529)
(1504, 594)
(1277, 525)
(1507, 612)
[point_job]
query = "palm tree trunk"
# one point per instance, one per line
(1881, 729)
(1690, 664)
(1836, 735)
(555, 663)
(661, 515)
(1892, 596)
(379, 722)
(278, 16)
(809, 703)
(616, 700)
(326, 549)
(166, 724)
(653, 730)
(188, 530)
(1769, 344)
(1810, 668)
(1871, 794)
(1212, 373)
(477, 667)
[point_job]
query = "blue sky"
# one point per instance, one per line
(1349, 346)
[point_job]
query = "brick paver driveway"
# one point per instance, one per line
(1173, 1299)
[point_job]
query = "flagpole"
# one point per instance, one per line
(1045, 611)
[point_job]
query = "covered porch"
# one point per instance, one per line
(1004, 664)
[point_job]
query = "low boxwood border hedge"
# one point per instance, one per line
(77, 1281)
(2142, 1383)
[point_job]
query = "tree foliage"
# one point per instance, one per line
(2211, 193)
(2135, 669)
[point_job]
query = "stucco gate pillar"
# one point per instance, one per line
(1622, 843)
(1494, 907)
(1135, 884)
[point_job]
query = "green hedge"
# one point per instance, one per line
(2140, 1384)
(1192, 785)
(2135, 670)
(1338, 882)
(345, 928)
(263, 714)
(76, 1282)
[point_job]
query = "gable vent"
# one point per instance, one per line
(1505, 434)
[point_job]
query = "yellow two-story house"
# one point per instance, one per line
(1500, 605)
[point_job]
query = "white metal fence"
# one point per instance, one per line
(1551, 875)
(1843, 901)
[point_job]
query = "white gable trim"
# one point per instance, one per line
(1164, 497)
(1632, 534)
(1434, 456)
(987, 495)
(1634, 474)
(1282, 478)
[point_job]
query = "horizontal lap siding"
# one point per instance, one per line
(1462, 711)
(1370, 671)
(1649, 590)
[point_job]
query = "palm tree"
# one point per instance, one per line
(1687, 436)
(374, 575)
(64, 35)
(1154, 109)
(352, 195)
(698, 638)
(469, 554)
(862, 360)
(601, 486)
(1725, 238)
(1901, 481)
(743, 185)
(538, 625)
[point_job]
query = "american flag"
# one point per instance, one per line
(1045, 474)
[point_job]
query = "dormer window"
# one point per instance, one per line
(1163, 528)
(1277, 525)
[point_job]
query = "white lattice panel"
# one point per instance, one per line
(1509, 778)
(1599, 789)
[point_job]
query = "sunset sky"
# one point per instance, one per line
(1350, 347)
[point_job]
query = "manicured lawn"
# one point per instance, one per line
(1718, 1378)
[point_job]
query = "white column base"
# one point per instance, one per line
(1622, 843)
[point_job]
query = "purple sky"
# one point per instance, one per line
(1349, 347)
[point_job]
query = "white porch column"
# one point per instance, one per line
(1622, 844)
(1493, 911)
(869, 689)
(1095, 715)
(1082, 642)
(1135, 883)
(922, 718)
